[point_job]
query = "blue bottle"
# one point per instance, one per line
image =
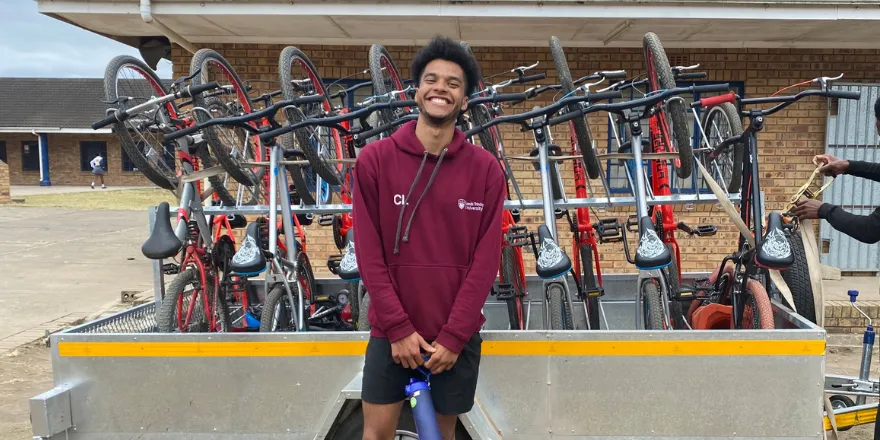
(419, 394)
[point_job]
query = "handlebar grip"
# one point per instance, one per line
(691, 75)
(183, 132)
(115, 116)
(530, 78)
(603, 96)
(614, 74)
(714, 100)
(311, 99)
(509, 97)
(844, 94)
(709, 88)
(188, 92)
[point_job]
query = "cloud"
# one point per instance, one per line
(35, 45)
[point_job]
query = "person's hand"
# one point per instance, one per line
(830, 165)
(442, 360)
(806, 209)
(408, 351)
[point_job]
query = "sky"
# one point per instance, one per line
(47, 47)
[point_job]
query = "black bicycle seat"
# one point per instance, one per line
(348, 268)
(249, 259)
(236, 221)
(552, 261)
(652, 253)
(162, 242)
(775, 251)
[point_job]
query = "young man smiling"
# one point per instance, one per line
(427, 220)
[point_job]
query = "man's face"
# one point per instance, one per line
(441, 92)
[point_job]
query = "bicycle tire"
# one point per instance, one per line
(661, 78)
(354, 301)
(277, 295)
(329, 172)
(379, 57)
(511, 275)
(589, 282)
(480, 116)
(653, 314)
(581, 129)
(364, 313)
(727, 111)
(166, 316)
(208, 160)
(306, 279)
(756, 292)
(560, 312)
(797, 277)
(145, 166)
(220, 150)
(675, 307)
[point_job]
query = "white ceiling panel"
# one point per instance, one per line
(121, 25)
(397, 27)
(518, 28)
(278, 25)
(192, 25)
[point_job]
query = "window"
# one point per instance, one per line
(3, 152)
(30, 156)
(148, 152)
(88, 150)
(618, 180)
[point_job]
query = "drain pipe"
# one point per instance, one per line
(147, 16)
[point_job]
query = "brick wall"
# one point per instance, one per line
(786, 146)
(64, 161)
(4, 182)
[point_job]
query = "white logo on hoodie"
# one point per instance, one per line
(469, 206)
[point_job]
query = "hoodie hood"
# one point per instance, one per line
(405, 138)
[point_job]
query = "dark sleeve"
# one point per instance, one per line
(864, 228)
(384, 301)
(865, 170)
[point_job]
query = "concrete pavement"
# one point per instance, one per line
(19, 191)
(61, 264)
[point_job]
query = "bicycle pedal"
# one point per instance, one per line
(706, 230)
(608, 230)
(685, 293)
(595, 292)
(326, 219)
(518, 236)
(632, 224)
(170, 268)
(503, 292)
(333, 263)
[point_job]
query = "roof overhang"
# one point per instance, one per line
(54, 130)
(621, 23)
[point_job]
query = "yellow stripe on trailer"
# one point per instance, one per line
(855, 418)
(489, 348)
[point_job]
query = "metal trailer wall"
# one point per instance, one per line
(851, 134)
(610, 384)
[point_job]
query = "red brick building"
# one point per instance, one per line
(757, 47)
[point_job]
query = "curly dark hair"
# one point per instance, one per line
(445, 48)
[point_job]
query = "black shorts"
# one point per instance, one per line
(452, 391)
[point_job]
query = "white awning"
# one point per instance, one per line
(622, 23)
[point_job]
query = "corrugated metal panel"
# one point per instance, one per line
(851, 134)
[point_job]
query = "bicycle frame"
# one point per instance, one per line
(660, 184)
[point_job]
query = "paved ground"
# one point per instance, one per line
(17, 191)
(61, 265)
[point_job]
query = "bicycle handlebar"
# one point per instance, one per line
(333, 121)
(344, 92)
(785, 101)
(379, 130)
(186, 92)
(242, 121)
(714, 100)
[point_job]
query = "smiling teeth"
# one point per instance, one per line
(439, 101)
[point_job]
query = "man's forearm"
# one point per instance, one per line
(864, 228)
(865, 170)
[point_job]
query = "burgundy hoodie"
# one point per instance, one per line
(429, 264)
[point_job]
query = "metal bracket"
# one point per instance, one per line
(50, 412)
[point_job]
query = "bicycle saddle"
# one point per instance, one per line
(552, 261)
(652, 253)
(348, 268)
(236, 221)
(775, 251)
(162, 242)
(249, 259)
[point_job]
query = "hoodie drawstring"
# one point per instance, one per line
(416, 207)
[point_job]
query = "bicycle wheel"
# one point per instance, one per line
(171, 316)
(722, 122)
(511, 274)
(354, 300)
(589, 282)
(660, 78)
(306, 279)
(797, 277)
(231, 146)
(674, 280)
(560, 312)
(652, 298)
(277, 315)
(299, 77)
(580, 127)
(758, 313)
(139, 136)
(386, 78)
(363, 312)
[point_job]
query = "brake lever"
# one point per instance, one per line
(680, 68)
(522, 69)
(824, 80)
(119, 100)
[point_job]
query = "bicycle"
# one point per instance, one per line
(736, 284)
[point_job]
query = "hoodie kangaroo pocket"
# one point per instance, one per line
(427, 294)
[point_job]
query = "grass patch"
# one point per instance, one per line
(133, 199)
